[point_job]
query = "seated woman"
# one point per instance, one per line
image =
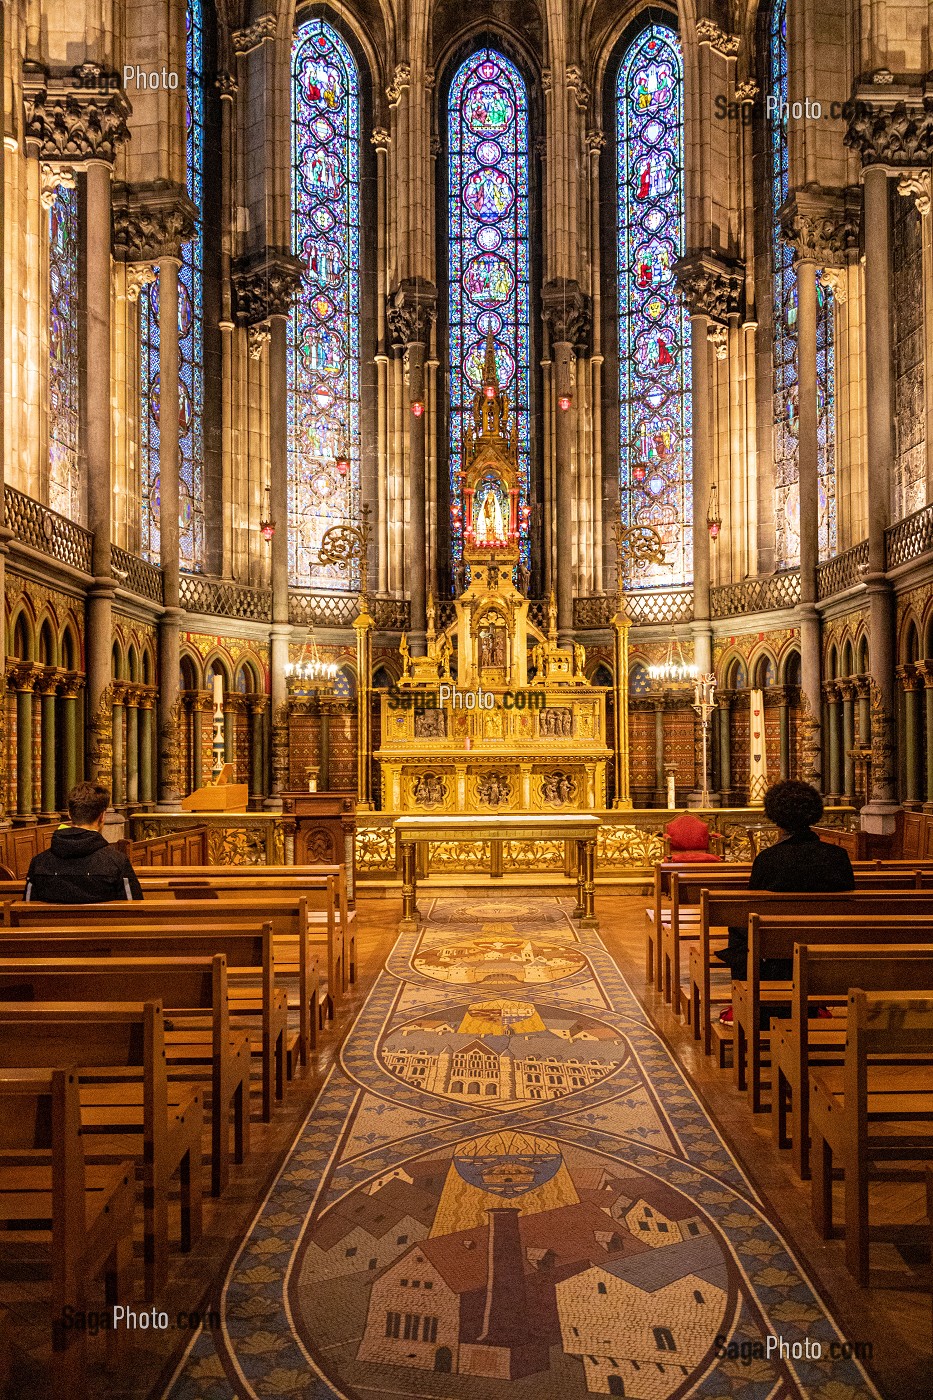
(800, 863)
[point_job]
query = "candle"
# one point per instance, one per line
(671, 793)
(218, 690)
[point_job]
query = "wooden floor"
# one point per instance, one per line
(894, 1316)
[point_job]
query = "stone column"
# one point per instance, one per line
(833, 777)
(146, 789)
(71, 733)
(266, 283)
(847, 690)
(660, 785)
(808, 476)
(199, 704)
(567, 316)
(118, 794)
(926, 669)
(409, 314)
(912, 681)
(23, 683)
(47, 687)
(132, 747)
(169, 539)
(257, 704)
(711, 290)
(230, 712)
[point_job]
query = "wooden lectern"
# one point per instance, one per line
(224, 795)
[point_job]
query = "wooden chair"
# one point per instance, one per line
(872, 1112)
(822, 977)
(129, 1111)
(188, 987)
(80, 1217)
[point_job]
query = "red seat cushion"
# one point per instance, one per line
(688, 833)
(697, 857)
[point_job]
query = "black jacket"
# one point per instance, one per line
(80, 867)
(802, 864)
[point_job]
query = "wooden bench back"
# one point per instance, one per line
(288, 914)
(772, 936)
(245, 947)
(182, 983)
(126, 1034)
(895, 1023)
(833, 969)
(735, 907)
(686, 887)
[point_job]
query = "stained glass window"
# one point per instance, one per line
(64, 408)
(324, 328)
(190, 348)
(654, 328)
(784, 343)
(488, 251)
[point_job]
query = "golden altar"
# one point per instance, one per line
(497, 717)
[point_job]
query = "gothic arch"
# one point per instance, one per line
(22, 632)
(189, 666)
(70, 645)
(46, 640)
(790, 666)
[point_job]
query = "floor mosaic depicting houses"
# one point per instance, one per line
(507, 1188)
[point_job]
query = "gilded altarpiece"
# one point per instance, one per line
(497, 716)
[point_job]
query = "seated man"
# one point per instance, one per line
(80, 867)
(800, 863)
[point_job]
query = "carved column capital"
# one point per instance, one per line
(151, 221)
(257, 338)
(401, 82)
(380, 138)
(822, 225)
(52, 179)
(252, 35)
(893, 128)
(67, 119)
(723, 43)
(266, 283)
(917, 183)
(718, 337)
(577, 87)
(595, 141)
(138, 275)
(565, 310)
(709, 286)
(410, 310)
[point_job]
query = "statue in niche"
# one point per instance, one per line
(579, 660)
(431, 724)
(429, 790)
(489, 525)
(493, 789)
(405, 655)
(443, 656)
(491, 646)
(556, 723)
(537, 658)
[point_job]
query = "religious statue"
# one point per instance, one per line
(431, 724)
(490, 526)
(493, 789)
(429, 790)
(443, 656)
(491, 647)
(405, 655)
(558, 788)
(537, 658)
(579, 661)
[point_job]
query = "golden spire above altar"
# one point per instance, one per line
(491, 418)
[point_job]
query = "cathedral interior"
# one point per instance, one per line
(546, 474)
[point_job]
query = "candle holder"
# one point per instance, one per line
(704, 702)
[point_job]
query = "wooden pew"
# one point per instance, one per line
(719, 911)
(128, 1108)
(291, 953)
(80, 1217)
(274, 877)
(775, 937)
(823, 975)
(683, 925)
(873, 1111)
(256, 1004)
(188, 987)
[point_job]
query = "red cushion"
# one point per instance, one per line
(697, 857)
(688, 833)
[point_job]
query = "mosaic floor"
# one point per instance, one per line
(508, 1189)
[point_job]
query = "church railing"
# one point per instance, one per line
(909, 538)
(136, 575)
(653, 606)
(35, 525)
(340, 609)
(218, 597)
(845, 571)
(769, 593)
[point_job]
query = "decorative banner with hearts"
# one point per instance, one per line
(758, 758)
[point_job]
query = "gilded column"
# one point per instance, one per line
(146, 743)
(71, 735)
(784, 732)
(23, 684)
(848, 740)
(132, 747)
(911, 681)
(566, 313)
(257, 705)
(833, 777)
(199, 704)
(926, 669)
(118, 793)
(410, 312)
(266, 283)
(725, 746)
(47, 687)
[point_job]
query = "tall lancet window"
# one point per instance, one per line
(324, 328)
(190, 345)
(64, 411)
(654, 328)
(784, 343)
(488, 253)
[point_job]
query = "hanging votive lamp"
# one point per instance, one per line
(342, 461)
(713, 518)
(490, 391)
(639, 471)
(417, 407)
(267, 524)
(563, 402)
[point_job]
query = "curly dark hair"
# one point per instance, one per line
(793, 806)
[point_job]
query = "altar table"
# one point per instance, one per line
(580, 828)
